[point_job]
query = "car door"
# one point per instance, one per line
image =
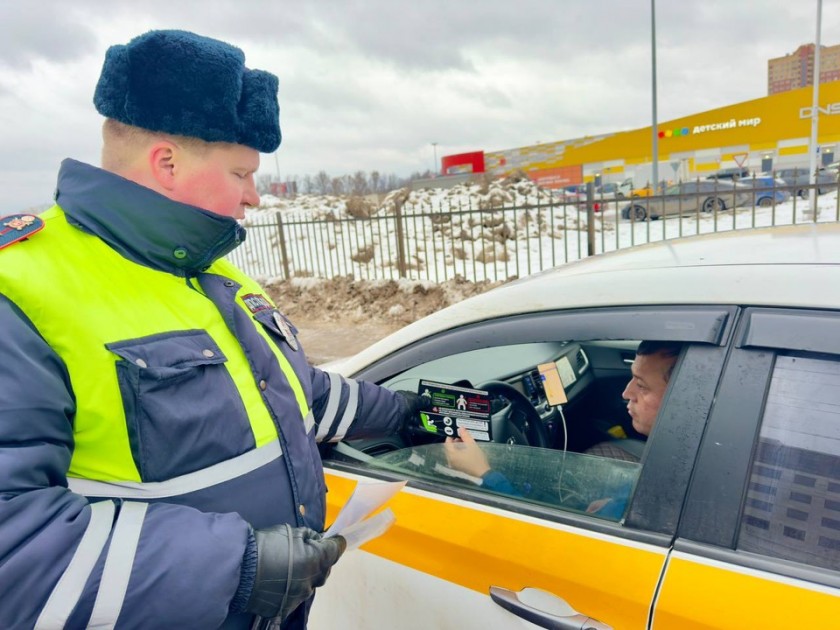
(460, 556)
(759, 541)
(688, 200)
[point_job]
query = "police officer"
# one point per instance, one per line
(158, 418)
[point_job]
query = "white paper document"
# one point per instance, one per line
(366, 498)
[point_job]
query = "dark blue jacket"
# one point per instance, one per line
(189, 545)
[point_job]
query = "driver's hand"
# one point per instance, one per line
(597, 506)
(464, 454)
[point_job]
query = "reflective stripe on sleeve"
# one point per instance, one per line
(349, 411)
(67, 592)
(332, 407)
(191, 482)
(118, 565)
(308, 422)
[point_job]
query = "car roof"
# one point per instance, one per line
(793, 266)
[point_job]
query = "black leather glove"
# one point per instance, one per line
(413, 405)
(291, 563)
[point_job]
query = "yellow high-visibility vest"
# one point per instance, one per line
(83, 296)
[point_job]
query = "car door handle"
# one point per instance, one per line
(544, 609)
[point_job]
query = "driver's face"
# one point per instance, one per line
(645, 390)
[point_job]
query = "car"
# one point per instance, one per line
(704, 195)
(733, 520)
(606, 197)
(576, 189)
(769, 190)
(568, 197)
(799, 179)
(628, 188)
(610, 190)
(731, 173)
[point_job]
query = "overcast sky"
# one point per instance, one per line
(371, 84)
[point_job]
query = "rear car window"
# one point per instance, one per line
(792, 509)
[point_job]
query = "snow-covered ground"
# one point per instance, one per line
(493, 232)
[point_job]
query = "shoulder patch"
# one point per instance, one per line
(256, 302)
(18, 227)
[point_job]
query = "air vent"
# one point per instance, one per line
(581, 362)
(532, 384)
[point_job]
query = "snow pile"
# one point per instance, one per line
(443, 232)
(489, 231)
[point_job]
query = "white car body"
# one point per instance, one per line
(449, 549)
(695, 270)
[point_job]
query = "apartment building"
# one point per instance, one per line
(796, 70)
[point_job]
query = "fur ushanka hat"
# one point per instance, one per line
(185, 84)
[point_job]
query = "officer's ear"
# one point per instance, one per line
(164, 163)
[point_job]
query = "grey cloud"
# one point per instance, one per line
(572, 68)
(43, 30)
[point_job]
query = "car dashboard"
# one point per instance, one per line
(515, 365)
(573, 367)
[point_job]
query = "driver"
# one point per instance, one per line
(651, 372)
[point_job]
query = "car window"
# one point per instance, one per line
(593, 351)
(792, 509)
(570, 481)
(585, 461)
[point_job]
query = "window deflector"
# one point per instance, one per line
(786, 329)
(699, 324)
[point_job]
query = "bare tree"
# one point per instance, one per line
(307, 185)
(264, 184)
(322, 183)
(392, 182)
(337, 186)
(359, 183)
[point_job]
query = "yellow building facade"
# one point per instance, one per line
(762, 134)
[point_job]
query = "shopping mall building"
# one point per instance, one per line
(762, 135)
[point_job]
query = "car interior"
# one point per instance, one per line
(539, 447)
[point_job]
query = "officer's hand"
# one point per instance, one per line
(413, 404)
(291, 563)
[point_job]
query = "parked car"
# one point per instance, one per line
(733, 520)
(570, 197)
(800, 179)
(703, 195)
(576, 189)
(768, 190)
(607, 197)
(610, 190)
(628, 188)
(736, 174)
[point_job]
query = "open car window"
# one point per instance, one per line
(583, 458)
(550, 467)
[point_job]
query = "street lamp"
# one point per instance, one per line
(434, 164)
(813, 147)
(654, 128)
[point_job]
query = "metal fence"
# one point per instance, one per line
(472, 240)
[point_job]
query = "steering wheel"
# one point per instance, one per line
(518, 422)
